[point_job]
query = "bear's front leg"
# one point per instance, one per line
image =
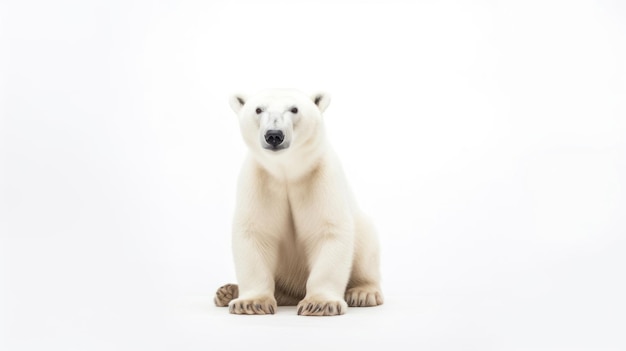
(254, 265)
(330, 259)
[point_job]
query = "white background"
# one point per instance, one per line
(486, 139)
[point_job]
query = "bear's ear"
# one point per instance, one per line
(237, 101)
(321, 100)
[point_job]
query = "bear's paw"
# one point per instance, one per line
(364, 296)
(321, 307)
(257, 305)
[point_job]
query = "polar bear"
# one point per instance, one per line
(298, 236)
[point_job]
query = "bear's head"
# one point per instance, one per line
(278, 120)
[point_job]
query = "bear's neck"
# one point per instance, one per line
(294, 165)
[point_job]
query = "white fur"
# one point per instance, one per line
(297, 231)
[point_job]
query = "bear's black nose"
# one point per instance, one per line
(274, 137)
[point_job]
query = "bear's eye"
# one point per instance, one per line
(294, 110)
(258, 110)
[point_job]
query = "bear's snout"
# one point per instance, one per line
(274, 137)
